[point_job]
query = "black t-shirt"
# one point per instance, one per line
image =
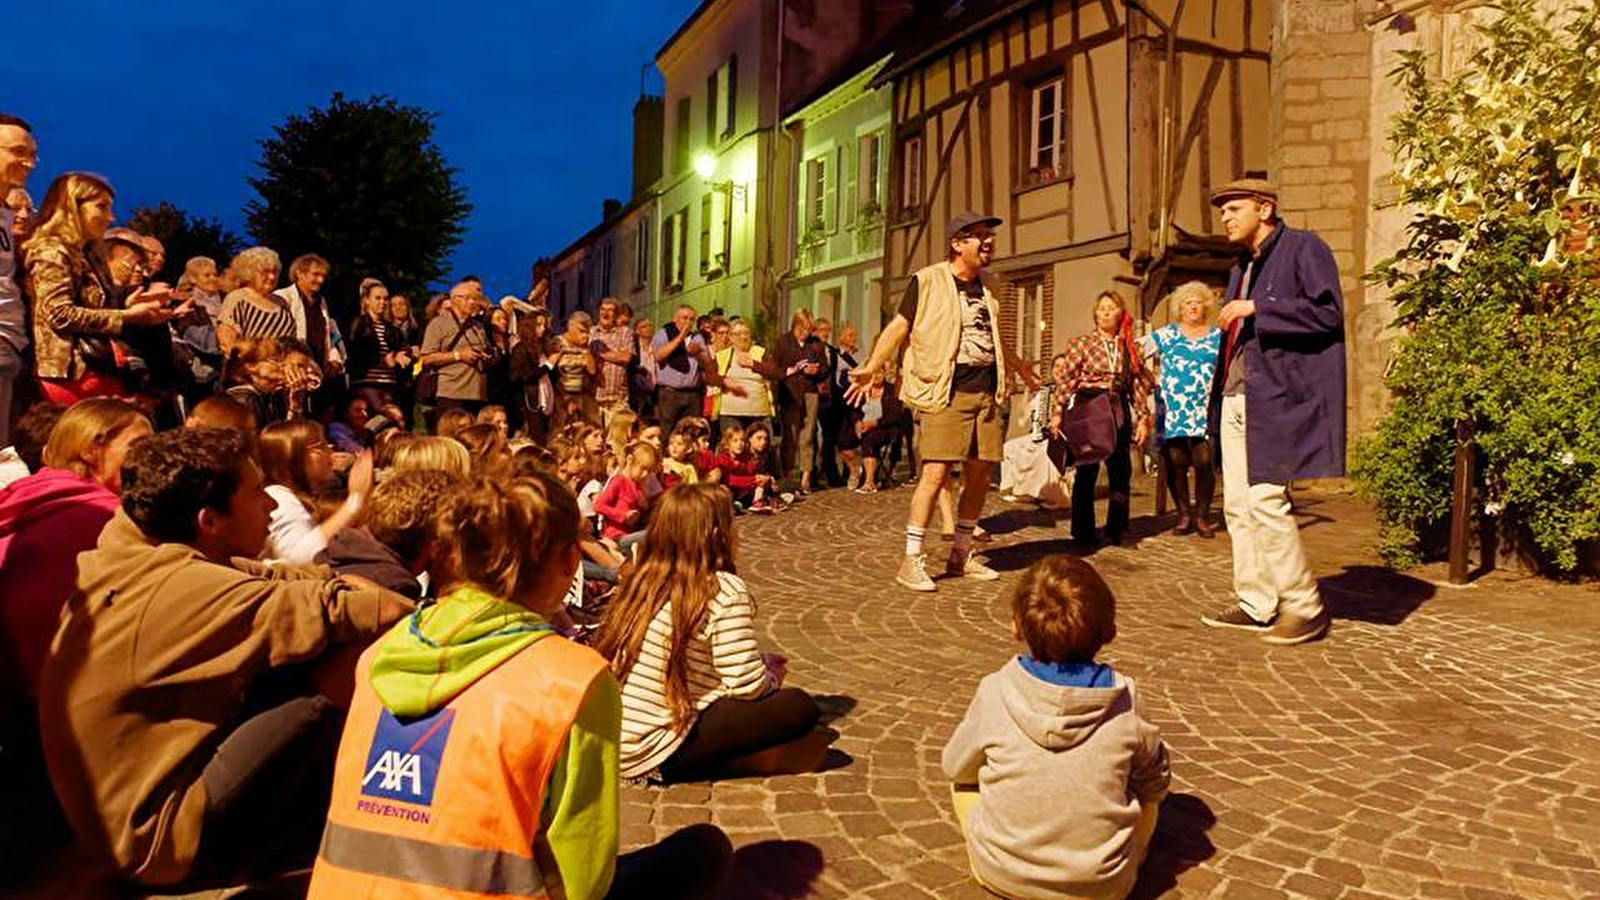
(967, 379)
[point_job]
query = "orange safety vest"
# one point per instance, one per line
(450, 805)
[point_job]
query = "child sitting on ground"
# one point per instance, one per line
(698, 431)
(741, 470)
(679, 468)
(765, 498)
(621, 506)
(1068, 773)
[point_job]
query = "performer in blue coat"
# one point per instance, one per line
(1283, 362)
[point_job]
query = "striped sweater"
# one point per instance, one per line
(724, 661)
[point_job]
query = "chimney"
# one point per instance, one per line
(609, 208)
(649, 121)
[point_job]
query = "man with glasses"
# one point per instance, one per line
(457, 343)
(18, 155)
(613, 345)
(955, 376)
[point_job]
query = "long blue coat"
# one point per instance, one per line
(1295, 383)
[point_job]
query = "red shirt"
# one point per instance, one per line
(620, 496)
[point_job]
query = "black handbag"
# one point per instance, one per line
(1088, 431)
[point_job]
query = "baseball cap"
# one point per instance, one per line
(962, 221)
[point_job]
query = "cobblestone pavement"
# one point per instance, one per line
(1441, 743)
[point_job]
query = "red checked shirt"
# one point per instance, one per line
(1096, 362)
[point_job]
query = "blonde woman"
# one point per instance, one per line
(252, 310)
(431, 452)
(76, 311)
(1188, 351)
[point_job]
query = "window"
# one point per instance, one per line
(641, 256)
(730, 94)
(674, 246)
(911, 174)
(819, 195)
(712, 119)
(605, 269)
(1047, 145)
(869, 172)
(561, 297)
(716, 233)
(680, 137)
(1030, 320)
(705, 233)
(583, 296)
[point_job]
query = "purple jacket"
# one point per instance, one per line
(1294, 357)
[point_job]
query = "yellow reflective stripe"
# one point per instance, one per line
(456, 868)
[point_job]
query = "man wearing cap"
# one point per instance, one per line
(1277, 408)
(956, 375)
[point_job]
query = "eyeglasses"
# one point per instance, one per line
(23, 152)
(980, 237)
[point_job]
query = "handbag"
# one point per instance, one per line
(1088, 431)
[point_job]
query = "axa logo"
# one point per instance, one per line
(403, 759)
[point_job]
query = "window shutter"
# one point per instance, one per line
(851, 182)
(731, 107)
(830, 192)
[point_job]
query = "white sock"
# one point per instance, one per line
(914, 536)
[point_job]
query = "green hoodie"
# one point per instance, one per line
(432, 656)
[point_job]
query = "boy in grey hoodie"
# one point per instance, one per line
(1068, 772)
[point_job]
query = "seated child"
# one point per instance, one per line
(679, 468)
(698, 431)
(621, 505)
(765, 498)
(1068, 772)
(740, 469)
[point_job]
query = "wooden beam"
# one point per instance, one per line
(945, 150)
(1235, 123)
(1098, 39)
(985, 157)
(1111, 12)
(1197, 123)
(1144, 135)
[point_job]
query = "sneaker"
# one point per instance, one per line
(969, 567)
(1295, 630)
(913, 574)
(981, 536)
(1235, 617)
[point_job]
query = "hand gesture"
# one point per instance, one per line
(744, 358)
(1141, 432)
(860, 383)
(777, 667)
(736, 389)
(630, 517)
(148, 307)
(1235, 309)
(1055, 424)
(360, 480)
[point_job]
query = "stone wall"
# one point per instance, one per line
(1322, 79)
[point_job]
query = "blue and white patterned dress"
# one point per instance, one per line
(1187, 367)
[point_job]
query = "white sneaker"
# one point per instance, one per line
(967, 566)
(914, 575)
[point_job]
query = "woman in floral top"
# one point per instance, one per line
(1188, 350)
(1104, 361)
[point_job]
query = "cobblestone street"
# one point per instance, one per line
(1440, 743)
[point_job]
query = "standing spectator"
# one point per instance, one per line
(1283, 358)
(957, 374)
(235, 784)
(683, 369)
(830, 401)
(1188, 351)
(378, 351)
(18, 155)
(612, 343)
(194, 333)
(575, 367)
(253, 310)
(803, 365)
(458, 344)
(1105, 361)
(746, 364)
(642, 374)
(409, 334)
(533, 389)
(312, 323)
(20, 202)
(75, 314)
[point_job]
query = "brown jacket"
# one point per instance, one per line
(148, 674)
(67, 300)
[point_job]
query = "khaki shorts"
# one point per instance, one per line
(969, 428)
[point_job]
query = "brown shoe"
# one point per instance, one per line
(1203, 527)
(1289, 630)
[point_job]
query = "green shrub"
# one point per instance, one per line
(1497, 290)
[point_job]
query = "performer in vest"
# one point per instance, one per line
(1283, 361)
(479, 758)
(955, 377)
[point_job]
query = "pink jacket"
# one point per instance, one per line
(620, 495)
(46, 520)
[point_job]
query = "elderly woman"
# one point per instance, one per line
(75, 304)
(575, 373)
(253, 311)
(744, 365)
(1188, 350)
(1105, 362)
(195, 332)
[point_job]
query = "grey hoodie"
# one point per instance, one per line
(1062, 774)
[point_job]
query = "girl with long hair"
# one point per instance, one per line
(297, 466)
(78, 312)
(699, 700)
(377, 349)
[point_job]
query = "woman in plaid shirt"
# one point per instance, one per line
(1105, 360)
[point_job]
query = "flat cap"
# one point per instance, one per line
(961, 221)
(1259, 188)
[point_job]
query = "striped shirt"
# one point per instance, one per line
(253, 318)
(724, 661)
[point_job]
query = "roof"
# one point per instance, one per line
(956, 21)
(684, 28)
(588, 237)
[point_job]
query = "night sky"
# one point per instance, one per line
(169, 97)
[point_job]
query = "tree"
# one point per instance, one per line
(1497, 290)
(184, 236)
(361, 183)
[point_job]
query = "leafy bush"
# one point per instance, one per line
(1497, 289)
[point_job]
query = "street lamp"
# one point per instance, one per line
(705, 165)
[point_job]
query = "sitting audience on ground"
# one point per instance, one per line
(699, 699)
(394, 547)
(297, 464)
(182, 736)
(452, 774)
(1058, 773)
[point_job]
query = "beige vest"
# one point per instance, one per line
(929, 366)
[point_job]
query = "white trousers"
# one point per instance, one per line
(1270, 572)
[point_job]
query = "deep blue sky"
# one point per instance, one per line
(168, 98)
